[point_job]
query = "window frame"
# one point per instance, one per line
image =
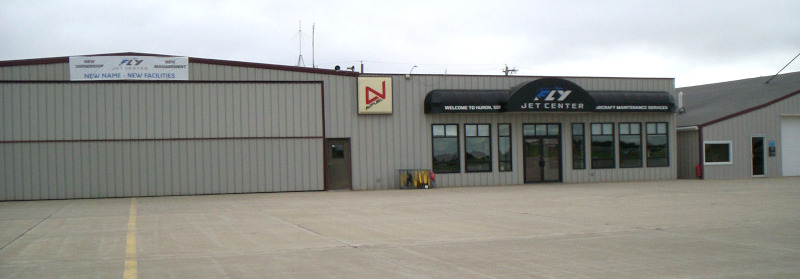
(730, 152)
(477, 135)
(613, 145)
(500, 160)
(666, 144)
(619, 143)
(582, 147)
(433, 148)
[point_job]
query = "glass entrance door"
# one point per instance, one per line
(541, 152)
(551, 154)
(532, 153)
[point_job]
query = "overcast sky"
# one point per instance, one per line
(695, 42)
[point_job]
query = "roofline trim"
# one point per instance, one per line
(65, 59)
(787, 96)
(271, 66)
(519, 76)
(687, 128)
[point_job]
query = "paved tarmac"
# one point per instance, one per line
(657, 229)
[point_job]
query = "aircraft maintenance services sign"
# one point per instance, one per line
(86, 68)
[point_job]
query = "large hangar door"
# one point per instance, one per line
(790, 145)
(64, 140)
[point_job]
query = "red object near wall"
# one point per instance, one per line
(698, 169)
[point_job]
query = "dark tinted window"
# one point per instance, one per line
(602, 145)
(477, 148)
(445, 149)
(337, 151)
(630, 145)
(657, 145)
(504, 146)
(578, 146)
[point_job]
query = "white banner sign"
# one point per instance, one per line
(128, 68)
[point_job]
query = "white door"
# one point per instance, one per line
(790, 143)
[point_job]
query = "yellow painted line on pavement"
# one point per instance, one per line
(130, 248)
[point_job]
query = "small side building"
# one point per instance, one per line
(740, 129)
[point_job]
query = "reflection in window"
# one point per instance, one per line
(630, 145)
(657, 145)
(504, 146)
(445, 149)
(477, 148)
(602, 146)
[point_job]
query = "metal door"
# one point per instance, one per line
(757, 144)
(337, 155)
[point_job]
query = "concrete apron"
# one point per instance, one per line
(685, 228)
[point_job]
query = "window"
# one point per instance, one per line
(541, 130)
(578, 147)
(504, 146)
(477, 148)
(717, 153)
(337, 151)
(603, 146)
(657, 145)
(445, 149)
(630, 145)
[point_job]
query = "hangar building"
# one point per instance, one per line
(137, 124)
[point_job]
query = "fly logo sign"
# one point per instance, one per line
(131, 62)
(374, 95)
(549, 95)
(553, 99)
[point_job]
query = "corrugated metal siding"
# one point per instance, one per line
(406, 134)
(66, 170)
(688, 154)
(88, 140)
(381, 144)
(340, 102)
(565, 120)
(739, 130)
(51, 72)
(90, 111)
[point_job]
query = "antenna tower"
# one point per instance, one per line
(313, 28)
(300, 62)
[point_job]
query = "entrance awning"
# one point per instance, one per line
(546, 95)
